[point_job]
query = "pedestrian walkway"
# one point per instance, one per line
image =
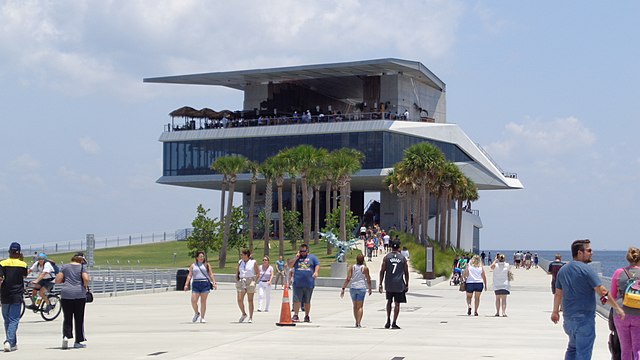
(434, 326)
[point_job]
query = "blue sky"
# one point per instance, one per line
(547, 88)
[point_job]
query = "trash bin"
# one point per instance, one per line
(181, 279)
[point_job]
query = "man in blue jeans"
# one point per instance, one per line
(575, 286)
(12, 272)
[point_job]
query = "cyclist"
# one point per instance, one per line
(43, 282)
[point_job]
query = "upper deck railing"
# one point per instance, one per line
(305, 118)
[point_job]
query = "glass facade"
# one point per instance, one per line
(382, 149)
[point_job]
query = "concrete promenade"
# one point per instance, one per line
(434, 326)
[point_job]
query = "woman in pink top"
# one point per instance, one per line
(628, 328)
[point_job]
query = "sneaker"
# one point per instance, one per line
(250, 320)
(394, 326)
(65, 343)
(203, 321)
(306, 319)
(32, 307)
(259, 310)
(295, 318)
(79, 346)
(387, 325)
(48, 308)
(7, 346)
(244, 316)
(195, 317)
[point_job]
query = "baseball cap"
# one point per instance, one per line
(395, 245)
(14, 247)
(42, 256)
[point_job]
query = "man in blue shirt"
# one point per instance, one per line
(575, 286)
(306, 267)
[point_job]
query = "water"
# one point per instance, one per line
(610, 260)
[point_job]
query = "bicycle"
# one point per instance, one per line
(54, 300)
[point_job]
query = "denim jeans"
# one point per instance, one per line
(582, 335)
(11, 316)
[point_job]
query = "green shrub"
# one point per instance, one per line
(443, 259)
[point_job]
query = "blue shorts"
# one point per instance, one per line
(475, 287)
(200, 287)
(357, 294)
(302, 295)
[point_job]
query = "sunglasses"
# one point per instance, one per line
(587, 250)
(265, 259)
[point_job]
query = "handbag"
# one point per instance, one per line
(89, 296)
(510, 275)
(463, 285)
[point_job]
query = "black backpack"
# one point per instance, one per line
(55, 267)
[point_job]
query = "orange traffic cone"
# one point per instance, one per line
(285, 310)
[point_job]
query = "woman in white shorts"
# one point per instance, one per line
(246, 283)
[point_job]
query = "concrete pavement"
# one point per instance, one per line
(434, 326)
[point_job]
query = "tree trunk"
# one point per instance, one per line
(222, 197)
(294, 194)
(305, 215)
(252, 206)
(327, 204)
(268, 204)
(448, 221)
(316, 239)
(343, 213)
(458, 234)
(227, 223)
(279, 183)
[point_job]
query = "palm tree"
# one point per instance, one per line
(307, 158)
(291, 168)
(424, 161)
(278, 165)
(345, 162)
(315, 178)
(448, 177)
(254, 169)
(268, 170)
(231, 166)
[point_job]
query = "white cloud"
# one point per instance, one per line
(25, 162)
(559, 136)
(78, 178)
(89, 145)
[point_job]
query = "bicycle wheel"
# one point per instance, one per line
(52, 314)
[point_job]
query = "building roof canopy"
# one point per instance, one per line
(241, 79)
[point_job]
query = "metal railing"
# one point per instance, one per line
(102, 242)
(203, 124)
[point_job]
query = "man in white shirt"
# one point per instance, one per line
(43, 282)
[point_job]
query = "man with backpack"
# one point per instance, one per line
(45, 271)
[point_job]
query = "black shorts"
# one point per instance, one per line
(46, 283)
(397, 297)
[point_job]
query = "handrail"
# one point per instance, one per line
(227, 122)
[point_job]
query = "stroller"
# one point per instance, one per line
(456, 277)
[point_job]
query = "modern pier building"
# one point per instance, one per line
(379, 107)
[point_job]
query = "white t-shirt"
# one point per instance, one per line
(386, 239)
(501, 276)
(475, 274)
(247, 269)
(47, 268)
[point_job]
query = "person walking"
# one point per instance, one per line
(73, 297)
(201, 280)
(628, 328)
(370, 246)
(246, 283)
(501, 283)
(12, 273)
(280, 274)
(394, 274)
(553, 269)
(476, 282)
(264, 284)
(359, 281)
(575, 285)
(305, 271)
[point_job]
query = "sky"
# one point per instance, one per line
(548, 88)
